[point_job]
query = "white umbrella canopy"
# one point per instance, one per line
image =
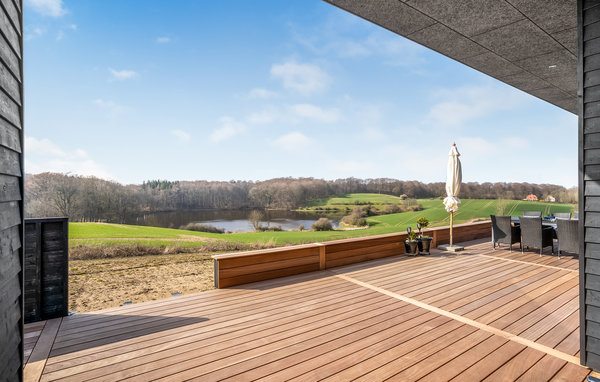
(453, 180)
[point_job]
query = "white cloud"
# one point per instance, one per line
(479, 147)
(229, 128)
(261, 93)
(44, 155)
(122, 74)
(316, 113)
(51, 8)
(294, 141)
(163, 40)
(114, 110)
(61, 33)
(42, 146)
(345, 37)
(181, 135)
(373, 134)
(31, 33)
(263, 117)
(305, 79)
(464, 104)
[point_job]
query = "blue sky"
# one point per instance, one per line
(222, 90)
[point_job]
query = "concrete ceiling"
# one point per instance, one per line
(528, 44)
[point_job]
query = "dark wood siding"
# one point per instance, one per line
(46, 269)
(11, 190)
(589, 179)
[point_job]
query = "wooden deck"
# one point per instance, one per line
(479, 315)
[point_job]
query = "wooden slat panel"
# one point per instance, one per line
(9, 31)
(9, 188)
(591, 47)
(10, 215)
(8, 56)
(592, 141)
(592, 188)
(265, 267)
(592, 235)
(11, 162)
(14, 14)
(592, 203)
(364, 257)
(9, 136)
(363, 242)
(398, 246)
(224, 283)
(591, 78)
(46, 268)
(9, 84)
(259, 258)
(592, 125)
(592, 172)
(10, 110)
(592, 219)
(10, 240)
(591, 63)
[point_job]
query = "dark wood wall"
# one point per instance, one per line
(589, 179)
(11, 189)
(46, 268)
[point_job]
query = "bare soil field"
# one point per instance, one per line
(105, 283)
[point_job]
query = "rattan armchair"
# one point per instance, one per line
(562, 215)
(503, 231)
(567, 232)
(533, 234)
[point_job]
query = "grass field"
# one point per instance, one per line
(471, 209)
(351, 200)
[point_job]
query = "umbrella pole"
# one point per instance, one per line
(451, 224)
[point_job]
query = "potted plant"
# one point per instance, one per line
(425, 241)
(411, 245)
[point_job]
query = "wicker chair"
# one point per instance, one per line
(536, 214)
(533, 234)
(503, 232)
(568, 236)
(562, 215)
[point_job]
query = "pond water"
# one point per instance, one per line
(230, 220)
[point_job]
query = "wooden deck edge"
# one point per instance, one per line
(39, 355)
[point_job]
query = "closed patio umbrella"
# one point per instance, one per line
(453, 181)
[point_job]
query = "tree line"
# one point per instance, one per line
(92, 199)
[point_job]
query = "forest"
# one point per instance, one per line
(90, 199)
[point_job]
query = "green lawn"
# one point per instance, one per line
(351, 200)
(103, 231)
(107, 234)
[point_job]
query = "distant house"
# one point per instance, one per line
(531, 197)
(550, 199)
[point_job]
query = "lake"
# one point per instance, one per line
(230, 220)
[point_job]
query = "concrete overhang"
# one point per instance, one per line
(528, 44)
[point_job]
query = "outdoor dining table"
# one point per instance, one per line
(546, 222)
